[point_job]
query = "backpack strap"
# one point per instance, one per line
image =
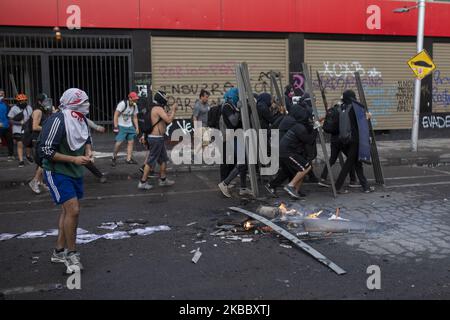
(125, 101)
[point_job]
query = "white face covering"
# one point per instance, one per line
(84, 108)
(73, 102)
(1, 98)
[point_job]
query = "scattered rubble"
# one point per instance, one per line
(196, 256)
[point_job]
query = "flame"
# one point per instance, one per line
(282, 208)
(314, 215)
(248, 225)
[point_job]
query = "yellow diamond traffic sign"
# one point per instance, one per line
(421, 64)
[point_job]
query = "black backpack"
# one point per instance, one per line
(214, 114)
(331, 123)
(144, 115)
(345, 126)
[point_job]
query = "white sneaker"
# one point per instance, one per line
(166, 183)
(245, 192)
(144, 186)
(224, 188)
(58, 257)
(73, 263)
(34, 185)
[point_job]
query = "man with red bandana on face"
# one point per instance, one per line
(65, 147)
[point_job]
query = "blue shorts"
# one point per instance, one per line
(126, 133)
(62, 187)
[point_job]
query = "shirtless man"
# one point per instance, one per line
(157, 149)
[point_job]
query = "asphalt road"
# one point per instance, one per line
(412, 249)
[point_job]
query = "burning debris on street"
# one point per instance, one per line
(306, 224)
(291, 223)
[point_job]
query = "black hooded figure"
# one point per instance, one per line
(331, 126)
(288, 94)
(351, 144)
(263, 105)
(294, 135)
(311, 150)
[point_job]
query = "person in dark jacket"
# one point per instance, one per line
(311, 149)
(293, 155)
(296, 116)
(231, 119)
(265, 113)
(352, 144)
(331, 126)
(288, 94)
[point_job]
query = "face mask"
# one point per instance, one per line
(84, 108)
(47, 104)
(1, 98)
(22, 105)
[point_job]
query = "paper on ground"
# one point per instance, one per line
(117, 235)
(7, 236)
(87, 237)
(110, 225)
(32, 235)
(148, 230)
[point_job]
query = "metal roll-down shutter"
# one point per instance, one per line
(182, 66)
(388, 81)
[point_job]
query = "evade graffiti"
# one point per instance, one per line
(436, 122)
(441, 86)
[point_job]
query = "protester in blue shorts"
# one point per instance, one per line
(65, 147)
(126, 126)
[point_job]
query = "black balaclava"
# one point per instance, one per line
(265, 98)
(348, 96)
(22, 105)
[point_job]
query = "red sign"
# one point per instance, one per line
(308, 16)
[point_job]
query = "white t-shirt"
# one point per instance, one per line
(126, 115)
(15, 110)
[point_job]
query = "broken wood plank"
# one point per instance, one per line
(316, 254)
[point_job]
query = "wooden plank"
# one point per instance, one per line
(309, 89)
(376, 163)
(325, 103)
(245, 115)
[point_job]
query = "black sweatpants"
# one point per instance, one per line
(351, 150)
(336, 148)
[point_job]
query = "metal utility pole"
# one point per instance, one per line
(417, 89)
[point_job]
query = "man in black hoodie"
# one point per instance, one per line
(296, 116)
(311, 149)
(293, 154)
(331, 126)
